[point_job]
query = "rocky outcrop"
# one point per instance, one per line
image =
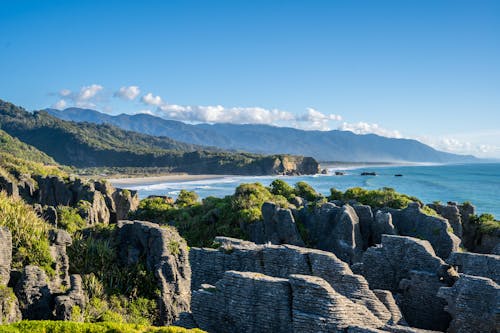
(485, 265)
(409, 266)
(71, 305)
(365, 217)
(8, 185)
(451, 212)
(335, 229)
(382, 225)
(473, 303)
(5, 255)
(209, 266)
(386, 297)
(35, 298)
(165, 253)
(241, 302)
(125, 201)
(277, 226)
(59, 240)
(412, 222)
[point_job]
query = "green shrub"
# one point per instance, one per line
(306, 191)
(487, 223)
(384, 197)
(36, 326)
(280, 187)
(186, 199)
(152, 209)
(335, 194)
(30, 241)
(69, 219)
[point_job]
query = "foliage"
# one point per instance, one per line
(153, 209)
(384, 197)
(280, 187)
(18, 166)
(487, 223)
(69, 219)
(30, 244)
(47, 326)
(21, 150)
(306, 191)
(186, 198)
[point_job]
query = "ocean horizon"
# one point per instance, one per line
(477, 183)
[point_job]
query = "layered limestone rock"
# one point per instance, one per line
(71, 305)
(5, 255)
(412, 222)
(242, 302)
(451, 212)
(9, 306)
(366, 220)
(474, 304)
(485, 265)
(386, 297)
(409, 266)
(165, 253)
(382, 225)
(278, 227)
(209, 266)
(334, 229)
(34, 295)
(8, 185)
(59, 240)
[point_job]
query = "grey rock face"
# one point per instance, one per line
(125, 202)
(365, 216)
(420, 304)
(5, 255)
(334, 229)
(253, 302)
(9, 306)
(386, 265)
(469, 230)
(410, 267)
(209, 266)
(451, 212)
(412, 222)
(382, 225)
(59, 240)
(32, 291)
(244, 302)
(9, 186)
(496, 249)
(165, 254)
(278, 227)
(75, 297)
(386, 297)
(473, 302)
(485, 265)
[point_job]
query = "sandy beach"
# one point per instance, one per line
(178, 177)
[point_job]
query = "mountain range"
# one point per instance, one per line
(84, 144)
(333, 145)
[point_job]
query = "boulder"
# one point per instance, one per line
(35, 298)
(241, 302)
(5, 255)
(59, 240)
(473, 303)
(278, 227)
(413, 222)
(9, 306)
(451, 212)
(209, 266)
(165, 253)
(335, 229)
(125, 201)
(70, 306)
(485, 265)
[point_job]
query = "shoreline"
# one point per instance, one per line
(150, 180)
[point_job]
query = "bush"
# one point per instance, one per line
(384, 197)
(30, 242)
(69, 219)
(306, 191)
(186, 199)
(487, 223)
(280, 187)
(35, 326)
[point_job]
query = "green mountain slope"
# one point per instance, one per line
(93, 145)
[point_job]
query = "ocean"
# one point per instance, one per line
(477, 183)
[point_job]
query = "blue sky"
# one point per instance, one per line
(420, 69)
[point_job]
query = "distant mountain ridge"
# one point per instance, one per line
(322, 145)
(85, 144)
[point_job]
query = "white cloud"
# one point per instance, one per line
(150, 99)
(456, 146)
(366, 128)
(221, 114)
(313, 119)
(128, 93)
(60, 104)
(86, 97)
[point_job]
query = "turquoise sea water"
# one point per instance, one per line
(477, 183)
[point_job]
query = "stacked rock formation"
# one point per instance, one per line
(165, 253)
